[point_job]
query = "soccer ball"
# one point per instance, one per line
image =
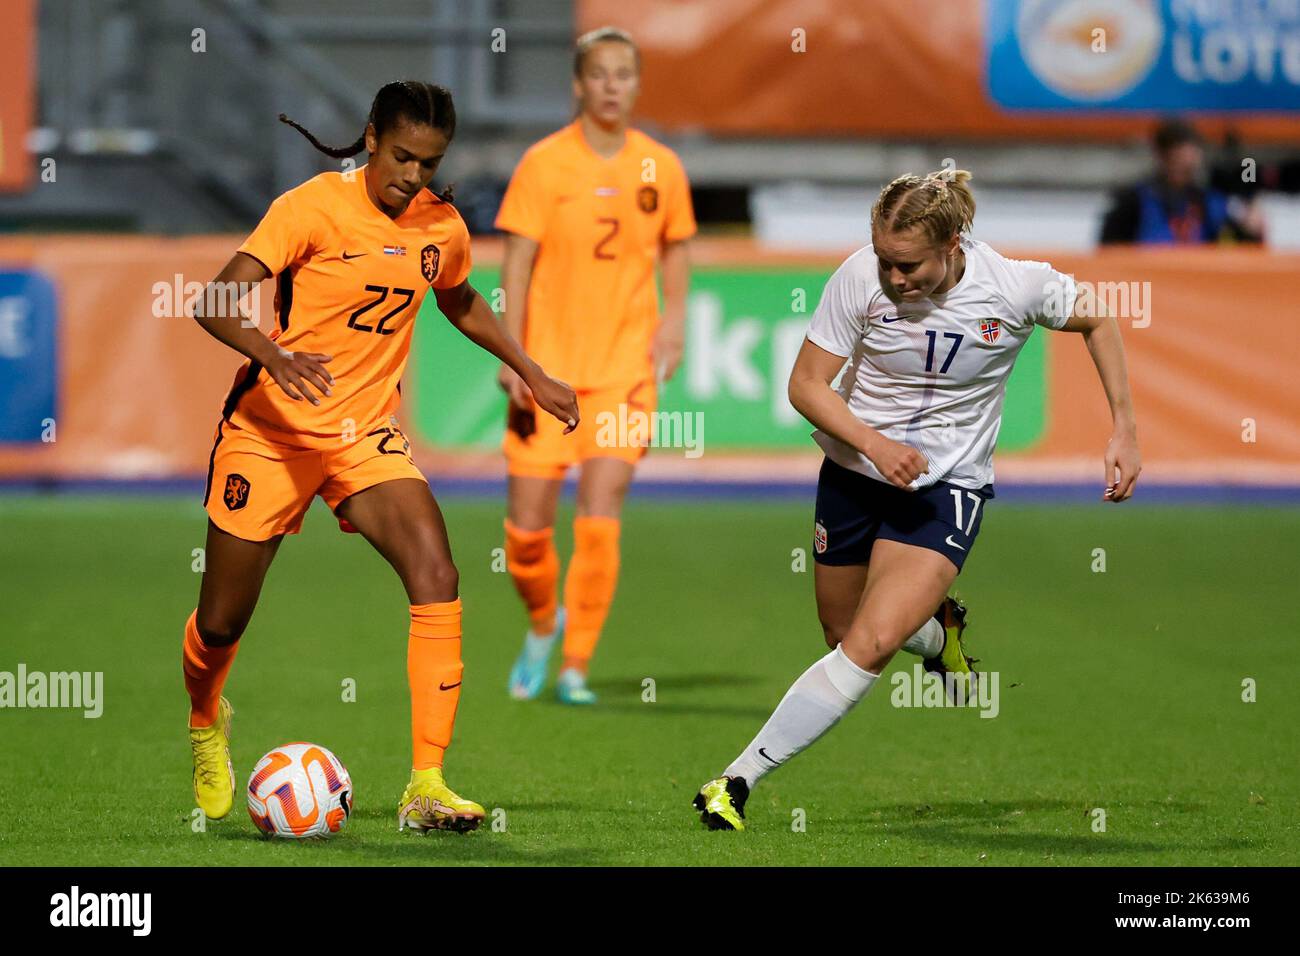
(300, 790)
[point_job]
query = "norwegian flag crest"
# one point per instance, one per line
(990, 329)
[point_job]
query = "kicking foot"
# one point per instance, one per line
(721, 803)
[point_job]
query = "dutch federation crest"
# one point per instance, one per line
(429, 263)
(819, 538)
(236, 493)
(990, 329)
(647, 197)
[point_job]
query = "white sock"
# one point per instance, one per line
(822, 695)
(928, 641)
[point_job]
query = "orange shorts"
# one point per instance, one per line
(259, 488)
(615, 423)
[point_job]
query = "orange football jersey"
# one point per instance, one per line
(349, 282)
(593, 306)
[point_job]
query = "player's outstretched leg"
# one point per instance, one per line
(403, 522)
(815, 702)
(903, 584)
(232, 581)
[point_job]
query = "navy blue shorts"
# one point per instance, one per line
(854, 510)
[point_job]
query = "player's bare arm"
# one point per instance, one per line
(670, 339)
(1100, 331)
(292, 371)
(516, 273)
(472, 317)
(812, 397)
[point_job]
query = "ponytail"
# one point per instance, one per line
(409, 100)
(338, 152)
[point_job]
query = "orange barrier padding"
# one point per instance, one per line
(876, 67)
(1214, 360)
(139, 394)
(1220, 352)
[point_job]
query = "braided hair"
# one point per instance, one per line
(940, 203)
(409, 100)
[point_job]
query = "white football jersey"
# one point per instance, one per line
(932, 374)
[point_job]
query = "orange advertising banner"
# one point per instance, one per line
(1211, 346)
(863, 68)
(17, 92)
(1212, 368)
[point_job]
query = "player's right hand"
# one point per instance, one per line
(515, 388)
(900, 464)
(294, 371)
(555, 397)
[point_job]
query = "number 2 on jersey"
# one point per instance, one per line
(600, 252)
(929, 355)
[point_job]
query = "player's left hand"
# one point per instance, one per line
(666, 352)
(556, 398)
(1122, 455)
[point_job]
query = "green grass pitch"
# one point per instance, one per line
(1120, 690)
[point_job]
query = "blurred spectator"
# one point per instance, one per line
(1177, 205)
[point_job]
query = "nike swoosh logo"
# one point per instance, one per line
(948, 540)
(449, 686)
(895, 318)
(355, 255)
(763, 753)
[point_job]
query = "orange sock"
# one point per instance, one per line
(433, 668)
(535, 567)
(205, 673)
(589, 586)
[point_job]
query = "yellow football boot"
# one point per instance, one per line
(429, 804)
(214, 777)
(953, 660)
(721, 803)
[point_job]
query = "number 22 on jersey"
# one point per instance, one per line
(406, 295)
